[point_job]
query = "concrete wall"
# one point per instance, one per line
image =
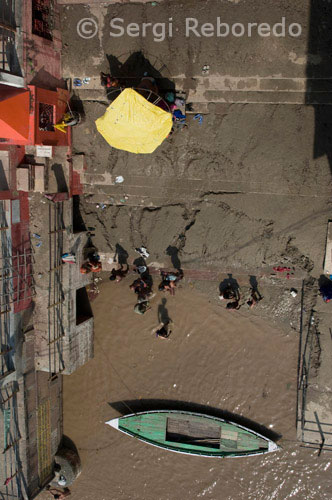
(80, 339)
(77, 343)
(80, 346)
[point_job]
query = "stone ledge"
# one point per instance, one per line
(109, 2)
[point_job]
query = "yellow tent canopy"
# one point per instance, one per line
(134, 124)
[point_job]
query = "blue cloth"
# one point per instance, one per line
(171, 277)
(178, 115)
(199, 117)
(326, 291)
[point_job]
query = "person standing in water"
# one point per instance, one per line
(119, 274)
(142, 307)
(235, 305)
(163, 331)
(255, 297)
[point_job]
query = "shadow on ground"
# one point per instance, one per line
(319, 70)
(132, 71)
(141, 405)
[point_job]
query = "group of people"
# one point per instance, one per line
(169, 281)
(148, 88)
(233, 295)
(91, 265)
(142, 287)
(91, 259)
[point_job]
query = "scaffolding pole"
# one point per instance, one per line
(56, 295)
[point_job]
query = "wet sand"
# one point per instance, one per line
(231, 360)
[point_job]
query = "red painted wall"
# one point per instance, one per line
(22, 282)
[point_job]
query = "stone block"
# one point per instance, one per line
(22, 179)
(30, 150)
(79, 163)
(39, 179)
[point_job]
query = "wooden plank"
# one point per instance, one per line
(193, 428)
(9, 397)
(229, 434)
(228, 444)
(56, 304)
(8, 28)
(6, 374)
(56, 339)
(11, 445)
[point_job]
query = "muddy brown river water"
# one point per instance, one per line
(229, 360)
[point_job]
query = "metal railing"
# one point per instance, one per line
(308, 351)
(14, 482)
(7, 33)
(43, 18)
(6, 294)
(304, 369)
(56, 296)
(16, 285)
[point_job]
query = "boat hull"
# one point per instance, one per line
(193, 434)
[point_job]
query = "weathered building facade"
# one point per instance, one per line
(46, 324)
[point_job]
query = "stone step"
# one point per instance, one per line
(131, 201)
(152, 199)
(234, 90)
(164, 185)
(106, 2)
(227, 83)
(258, 97)
(109, 262)
(167, 187)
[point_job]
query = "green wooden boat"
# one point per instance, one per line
(193, 434)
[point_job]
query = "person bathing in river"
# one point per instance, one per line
(169, 281)
(255, 297)
(140, 286)
(235, 305)
(118, 274)
(227, 293)
(163, 331)
(142, 307)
